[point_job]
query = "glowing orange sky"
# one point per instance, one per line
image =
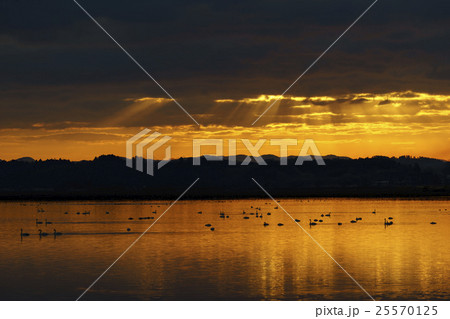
(393, 124)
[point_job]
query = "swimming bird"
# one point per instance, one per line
(41, 233)
(266, 224)
(55, 233)
(23, 234)
(433, 223)
(358, 218)
(208, 225)
(312, 223)
(280, 224)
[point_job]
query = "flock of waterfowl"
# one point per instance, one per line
(44, 222)
(312, 222)
(246, 215)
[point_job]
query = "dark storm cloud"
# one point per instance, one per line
(56, 65)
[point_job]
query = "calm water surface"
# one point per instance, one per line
(181, 259)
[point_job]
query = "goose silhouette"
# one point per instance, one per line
(42, 234)
(23, 234)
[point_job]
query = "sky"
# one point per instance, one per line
(68, 91)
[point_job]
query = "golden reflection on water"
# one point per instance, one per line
(181, 259)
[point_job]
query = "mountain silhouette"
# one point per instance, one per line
(107, 177)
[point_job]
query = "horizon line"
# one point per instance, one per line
(29, 158)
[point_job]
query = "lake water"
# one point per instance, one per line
(182, 259)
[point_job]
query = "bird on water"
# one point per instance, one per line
(23, 234)
(42, 234)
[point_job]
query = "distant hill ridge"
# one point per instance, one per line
(107, 177)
